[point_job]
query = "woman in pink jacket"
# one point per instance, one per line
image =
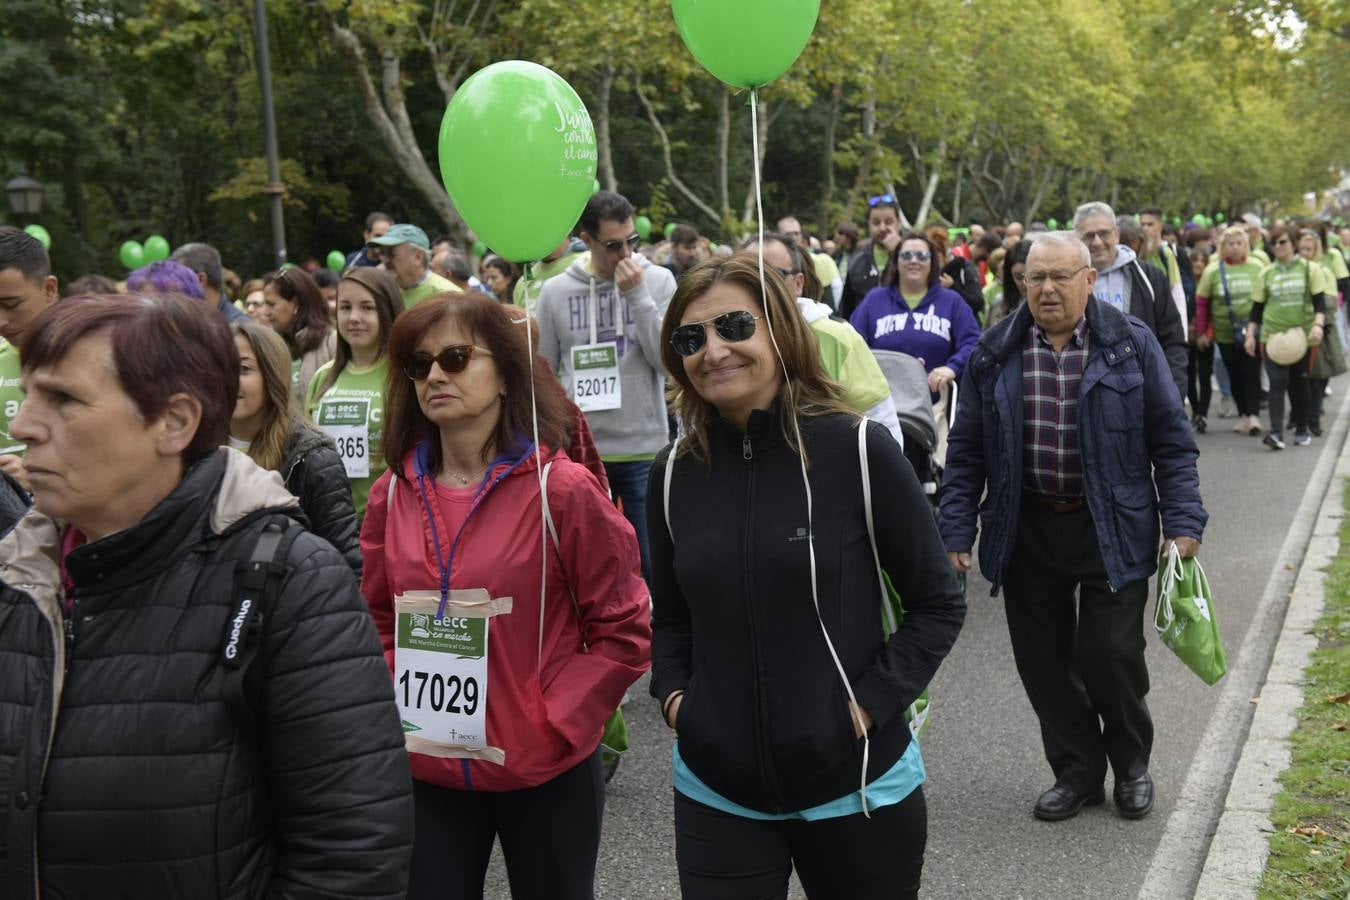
(508, 653)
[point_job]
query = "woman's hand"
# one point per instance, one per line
(1249, 343)
(1315, 334)
(861, 719)
(13, 465)
(946, 280)
(939, 378)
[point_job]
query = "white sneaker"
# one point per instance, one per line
(1226, 407)
(1302, 439)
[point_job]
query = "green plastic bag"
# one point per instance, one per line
(614, 742)
(1184, 616)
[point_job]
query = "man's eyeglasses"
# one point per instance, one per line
(915, 256)
(632, 242)
(786, 273)
(452, 360)
(733, 326)
(1061, 278)
(880, 199)
(1090, 237)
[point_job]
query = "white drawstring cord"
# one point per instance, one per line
(855, 714)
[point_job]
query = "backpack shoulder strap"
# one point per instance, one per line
(257, 581)
(665, 489)
(887, 614)
(557, 547)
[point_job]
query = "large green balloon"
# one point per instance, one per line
(670, 226)
(518, 156)
(156, 249)
(132, 254)
(746, 43)
(39, 234)
(1052, 224)
(337, 261)
(643, 226)
(1218, 217)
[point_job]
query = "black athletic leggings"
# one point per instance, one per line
(727, 857)
(550, 837)
(1199, 371)
(1244, 377)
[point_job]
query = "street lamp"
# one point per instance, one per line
(25, 195)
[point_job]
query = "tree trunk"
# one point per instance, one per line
(603, 144)
(956, 193)
(831, 135)
(393, 125)
(1035, 205)
(929, 192)
(676, 181)
(724, 152)
(765, 120)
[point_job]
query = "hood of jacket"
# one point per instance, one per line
(1124, 256)
(813, 310)
(304, 440)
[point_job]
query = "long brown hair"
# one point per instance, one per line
(268, 448)
(486, 323)
(311, 325)
(388, 305)
(807, 390)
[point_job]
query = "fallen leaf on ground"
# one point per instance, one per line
(1340, 698)
(1313, 831)
(1339, 726)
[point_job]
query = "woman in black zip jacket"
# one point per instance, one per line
(769, 658)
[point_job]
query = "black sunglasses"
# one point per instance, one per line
(452, 360)
(632, 241)
(733, 326)
(880, 199)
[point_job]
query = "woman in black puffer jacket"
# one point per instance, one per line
(269, 428)
(168, 728)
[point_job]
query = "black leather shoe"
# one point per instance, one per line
(1134, 798)
(1060, 803)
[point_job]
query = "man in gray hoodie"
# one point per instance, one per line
(1132, 287)
(600, 330)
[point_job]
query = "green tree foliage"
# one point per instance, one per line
(143, 116)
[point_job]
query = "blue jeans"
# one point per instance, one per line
(628, 482)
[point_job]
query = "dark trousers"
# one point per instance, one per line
(1083, 668)
(1317, 395)
(550, 837)
(1199, 372)
(726, 857)
(1294, 380)
(628, 481)
(1244, 374)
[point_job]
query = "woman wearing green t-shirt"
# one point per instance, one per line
(1294, 297)
(346, 396)
(1223, 306)
(1330, 359)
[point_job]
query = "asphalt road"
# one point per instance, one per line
(982, 747)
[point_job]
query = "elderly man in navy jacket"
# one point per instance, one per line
(1070, 426)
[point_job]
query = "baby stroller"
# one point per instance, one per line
(914, 407)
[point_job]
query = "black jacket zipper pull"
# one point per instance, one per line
(70, 637)
(745, 447)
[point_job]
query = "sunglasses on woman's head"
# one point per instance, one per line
(452, 360)
(733, 326)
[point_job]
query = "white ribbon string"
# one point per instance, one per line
(539, 474)
(855, 714)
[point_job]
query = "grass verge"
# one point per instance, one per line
(1310, 848)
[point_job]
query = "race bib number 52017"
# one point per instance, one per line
(596, 383)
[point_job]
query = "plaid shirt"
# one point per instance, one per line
(1051, 463)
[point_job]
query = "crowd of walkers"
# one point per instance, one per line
(322, 583)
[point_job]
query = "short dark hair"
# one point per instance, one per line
(605, 206)
(378, 217)
(204, 260)
(22, 251)
(325, 278)
(1151, 211)
(161, 345)
(89, 285)
(683, 234)
(457, 264)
